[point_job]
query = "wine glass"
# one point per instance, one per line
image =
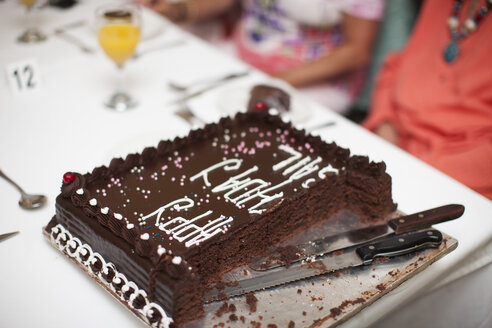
(118, 33)
(31, 34)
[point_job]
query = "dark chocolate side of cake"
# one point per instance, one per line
(177, 279)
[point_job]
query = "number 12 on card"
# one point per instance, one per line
(24, 76)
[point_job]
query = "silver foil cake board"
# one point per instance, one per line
(323, 301)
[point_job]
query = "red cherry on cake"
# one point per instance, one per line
(68, 177)
(260, 105)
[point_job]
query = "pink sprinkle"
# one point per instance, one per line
(109, 186)
(164, 167)
(233, 150)
(183, 176)
(141, 178)
(206, 201)
(173, 178)
(307, 145)
(245, 150)
(145, 196)
(226, 152)
(261, 134)
(269, 133)
(187, 158)
(299, 148)
(218, 197)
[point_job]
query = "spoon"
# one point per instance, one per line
(27, 201)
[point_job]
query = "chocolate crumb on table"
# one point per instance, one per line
(242, 318)
(255, 324)
(299, 291)
(304, 313)
(291, 324)
(271, 325)
(252, 301)
(233, 317)
(224, 308)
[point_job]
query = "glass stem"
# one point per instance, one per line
(28, 20)
(120, 83)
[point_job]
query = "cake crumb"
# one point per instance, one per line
(303, 313)
(224, 308)
(242, 318)
(232, 308)
(291, 324)
(233, 317)
(271, 325)
(255, 324)
(381, 287)
(299, 291)
(252, 301)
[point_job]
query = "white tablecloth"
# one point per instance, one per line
(64, 127)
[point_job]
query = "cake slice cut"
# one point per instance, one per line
(160, 227)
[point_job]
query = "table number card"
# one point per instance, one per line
(24, 76)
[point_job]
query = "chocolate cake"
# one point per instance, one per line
(264, 96)
(158, 228)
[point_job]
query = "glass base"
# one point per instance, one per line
(31, 35)
(121, 102)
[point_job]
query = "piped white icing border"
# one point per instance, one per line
(76, 249)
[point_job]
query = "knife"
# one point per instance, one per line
(7, 235)
(412, 222)
(242, 281)
(208, 87)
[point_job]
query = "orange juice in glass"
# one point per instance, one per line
(28, 3)
(118, 33)
(119, 41)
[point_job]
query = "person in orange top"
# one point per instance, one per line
(434, 98)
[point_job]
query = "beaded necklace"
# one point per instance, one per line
(459, 33)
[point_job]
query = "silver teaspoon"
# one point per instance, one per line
(27, 201)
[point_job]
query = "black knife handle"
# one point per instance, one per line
(427, 218)
(400, 244)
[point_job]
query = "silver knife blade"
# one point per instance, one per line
(399, 225)
(242, 281)
(7, 235)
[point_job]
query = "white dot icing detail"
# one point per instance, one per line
(80, 191)
(118, 216)
(176, 260)
(105, 210)
(145, 236)
(93, 202)
(161, 250)
(130, 226)
(273, 111)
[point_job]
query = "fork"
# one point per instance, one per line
(186, 114)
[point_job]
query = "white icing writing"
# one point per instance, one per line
(295, 156)
(188, 231)
(235, 164)
(327, 169)
(242, 188)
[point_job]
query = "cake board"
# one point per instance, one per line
(323, 301)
